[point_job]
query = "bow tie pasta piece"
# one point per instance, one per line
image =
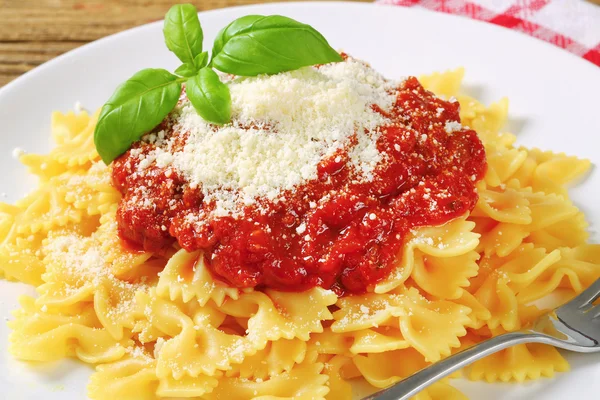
(579, 265)
(549, 172)
(70, 201)
(67, 126)
(507, 217)
(367, 311)
(45, 334)
(576, 269)
(135, 378)
(53, 207)
(524, 266)
(74, 138)
(44, 209)
(384, 369)
(499, 239)
(554, 218)
(570, 232)
(507, 278)
(518, 363)
(445, 83)
(453, 239)
(194, 347)
(508, 205)
(444, 277)
(78, 271)
(487, 121)
(77, 146)
(304, 382)
(187, 386)
(503, 163)
(548, 209)
(131, 377)
(22, 260)
(431, 327)
(273, 315)
(88, 189)
(276, 358)
(479, 315)
(186, 277)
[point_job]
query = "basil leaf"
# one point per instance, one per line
(186, 69)
(209, 96)
(236, 27)
(201, 60)
(256, 44)
(183, 33)
(136, 107)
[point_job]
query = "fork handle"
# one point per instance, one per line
(410, 386)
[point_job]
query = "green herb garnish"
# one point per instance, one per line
(209, 96)
(249, 46)
(183, 33)
(136, 107)
(255, 44)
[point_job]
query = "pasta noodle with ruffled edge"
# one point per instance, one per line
(77, 271)
(277, 357)
(41, 334)
(383, 369)
(186, 277)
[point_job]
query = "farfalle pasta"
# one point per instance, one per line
(158, 324)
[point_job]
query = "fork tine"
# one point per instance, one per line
(587, 296)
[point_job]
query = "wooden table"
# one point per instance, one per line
(34, 31)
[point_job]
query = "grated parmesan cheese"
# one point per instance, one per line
(83, 261)
(282, 127)
(301, 228)
(452, 126)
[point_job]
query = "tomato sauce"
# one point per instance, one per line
(336, 231)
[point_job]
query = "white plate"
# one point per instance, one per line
(554, 105)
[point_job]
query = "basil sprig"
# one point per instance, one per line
(249, 46)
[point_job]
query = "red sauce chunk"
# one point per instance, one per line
(334, 231)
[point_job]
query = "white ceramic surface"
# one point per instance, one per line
(555, 104)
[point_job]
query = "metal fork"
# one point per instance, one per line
(574, 326)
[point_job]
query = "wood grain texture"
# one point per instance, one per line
(35, 31)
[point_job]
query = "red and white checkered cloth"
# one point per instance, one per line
(573, 25)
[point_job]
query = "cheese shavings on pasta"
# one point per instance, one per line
(159, 326)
